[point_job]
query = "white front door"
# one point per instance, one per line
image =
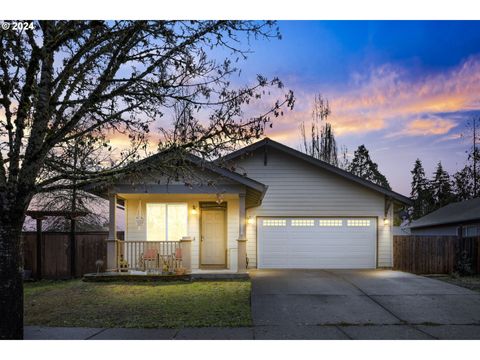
(316, 243)
(213, 244)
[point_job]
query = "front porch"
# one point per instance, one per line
(177, 234)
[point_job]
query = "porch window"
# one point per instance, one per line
(166, 222)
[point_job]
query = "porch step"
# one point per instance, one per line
(114, 276)
(219, 276)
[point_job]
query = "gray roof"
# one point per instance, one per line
(197, 161)
(322, 164)
(454, 213)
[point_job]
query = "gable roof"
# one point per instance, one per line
(316, 162)
(201, 163)
(454, 213)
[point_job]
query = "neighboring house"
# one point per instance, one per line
(280, 208)
(460, 218)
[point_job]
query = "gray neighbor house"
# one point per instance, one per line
(455, 219)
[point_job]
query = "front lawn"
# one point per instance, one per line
(145, 305)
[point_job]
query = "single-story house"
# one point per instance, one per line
(455, 219)
(263, 206)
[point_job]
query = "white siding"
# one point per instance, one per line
(297, 188)
(134, 232)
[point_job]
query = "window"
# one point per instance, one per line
(472, 230)
(358, 222)
(166, 222)
(274, 222)
(330, 222)
(303, 222)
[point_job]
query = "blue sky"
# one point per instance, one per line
(402, 88)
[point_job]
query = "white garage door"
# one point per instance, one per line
(316, 243)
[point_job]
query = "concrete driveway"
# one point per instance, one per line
(360, 304)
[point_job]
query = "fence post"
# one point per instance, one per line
(39, 248)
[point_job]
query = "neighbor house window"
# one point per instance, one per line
(358, 222)
(472, 230)
(166, 222)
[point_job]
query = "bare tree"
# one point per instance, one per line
(64, 80)
(82, 154)
(320, 143)
(344, 161)
(472, 134)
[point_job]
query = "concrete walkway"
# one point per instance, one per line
(360, 304)
(296, 332)
(70, 333)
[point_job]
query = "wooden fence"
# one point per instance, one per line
(434, 254)
(55, 259)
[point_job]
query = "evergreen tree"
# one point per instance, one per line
(463, 184)
(441, 188)
(363, 166)
(420, 194)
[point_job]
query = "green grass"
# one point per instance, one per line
(138, 305)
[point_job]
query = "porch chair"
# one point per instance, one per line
(177, 258)
(149, 256)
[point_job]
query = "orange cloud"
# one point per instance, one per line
(420, 127)
(385, 96)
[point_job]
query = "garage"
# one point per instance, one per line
(317, 243)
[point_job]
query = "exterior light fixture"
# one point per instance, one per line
(250, 220)
(194, 210)
(386, 221)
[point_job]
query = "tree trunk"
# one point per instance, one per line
(11, 274)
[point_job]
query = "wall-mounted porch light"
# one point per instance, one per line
(194, 210)
(250, 220)
(386, 221)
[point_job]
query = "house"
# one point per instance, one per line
(459, 218)
(263, 206)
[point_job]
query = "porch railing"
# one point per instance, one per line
(156, 257)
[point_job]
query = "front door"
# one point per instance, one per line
(213, 241)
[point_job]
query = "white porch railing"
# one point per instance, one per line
(155, 257)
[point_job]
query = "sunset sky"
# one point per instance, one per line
(403, 88)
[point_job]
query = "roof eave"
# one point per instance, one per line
(276, 145)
